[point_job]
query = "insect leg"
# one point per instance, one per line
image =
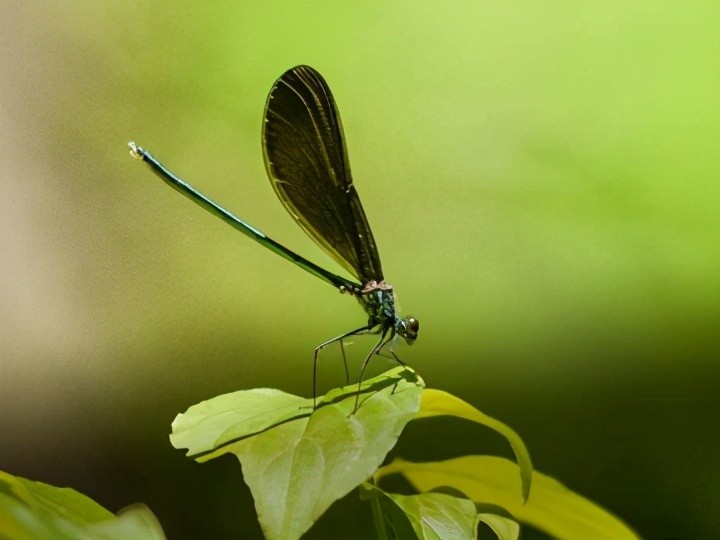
(324, 344)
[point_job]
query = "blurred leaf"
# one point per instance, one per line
(439, 403)
(429, 516)
(551, 507)
(297, 461)
(31, 510)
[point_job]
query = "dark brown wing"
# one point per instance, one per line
(307, 162)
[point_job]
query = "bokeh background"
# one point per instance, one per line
(542, 180)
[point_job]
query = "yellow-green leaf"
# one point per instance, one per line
(438, 403)
(552, 507)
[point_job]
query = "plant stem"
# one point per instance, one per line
(378, 518)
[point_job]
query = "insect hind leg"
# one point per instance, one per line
(362, 330)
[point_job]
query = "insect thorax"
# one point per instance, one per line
(379, 303)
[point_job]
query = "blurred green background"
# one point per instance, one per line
(542, 180)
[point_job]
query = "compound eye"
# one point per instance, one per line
(412, 327)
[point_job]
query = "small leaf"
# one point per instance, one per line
(390, 520)
(297, 461)
(503, 527)
(30, 510)
(552, 507)
(432, 516)
(438, 403)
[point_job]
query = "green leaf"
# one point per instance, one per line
(207, 426)
(297, 461)
(439, 403)
(552, 507)
(503, 527)
(30, 510)
(429, 516)
(391, 523)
